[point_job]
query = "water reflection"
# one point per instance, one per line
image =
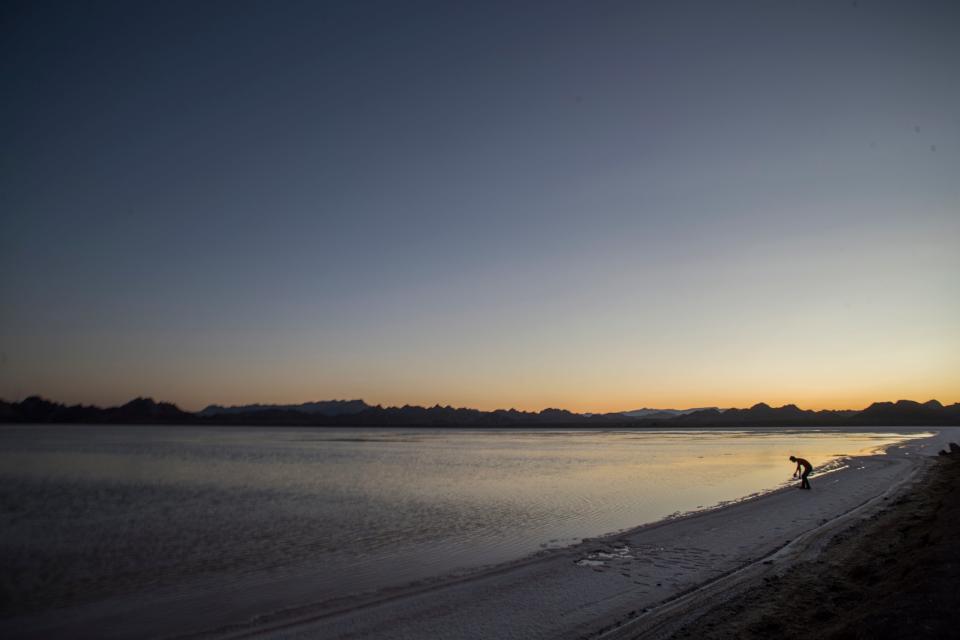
(101, 509)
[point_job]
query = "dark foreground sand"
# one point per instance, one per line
(894, 575)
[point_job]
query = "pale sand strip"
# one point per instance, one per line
(644, 579)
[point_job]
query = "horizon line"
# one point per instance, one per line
(464, 407)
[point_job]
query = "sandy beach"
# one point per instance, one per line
(892, 575)
(646, 582)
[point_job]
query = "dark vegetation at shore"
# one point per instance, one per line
(347, 413)
(893, 576)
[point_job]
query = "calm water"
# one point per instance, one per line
(86, 512)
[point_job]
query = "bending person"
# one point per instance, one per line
(807, 468)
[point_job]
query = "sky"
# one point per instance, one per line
(597, 206)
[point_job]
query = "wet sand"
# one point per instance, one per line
(642, 583)
(893, 575)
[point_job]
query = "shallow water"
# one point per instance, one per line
(88, 512)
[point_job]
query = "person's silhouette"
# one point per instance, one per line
(807, 468)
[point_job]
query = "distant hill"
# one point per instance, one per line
(415, 416)
(324, 407)
(662, 413)
(908, 412)
(762, 414)
(137, 411)
(345, 413)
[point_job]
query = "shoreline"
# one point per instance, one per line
(890, 574)
(584, 590)
(674, 613)
(627, 575)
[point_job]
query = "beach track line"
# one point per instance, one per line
(662, 621)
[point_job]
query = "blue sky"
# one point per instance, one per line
(588, 205)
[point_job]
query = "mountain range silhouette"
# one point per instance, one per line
(346, 413)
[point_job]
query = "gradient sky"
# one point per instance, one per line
(591, 205)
